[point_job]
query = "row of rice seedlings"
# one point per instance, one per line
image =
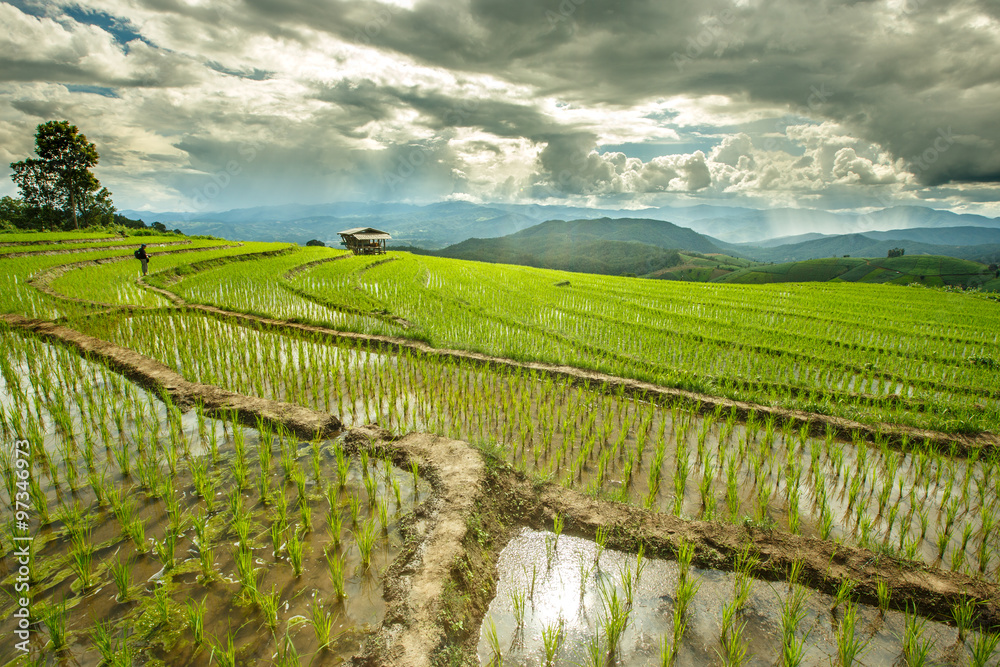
(592, 333)
(757, 470)
(162, 463)
(369, 375)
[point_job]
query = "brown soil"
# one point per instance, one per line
(439, 587)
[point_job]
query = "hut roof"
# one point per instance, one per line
(365, 233)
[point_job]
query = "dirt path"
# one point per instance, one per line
(436, 556)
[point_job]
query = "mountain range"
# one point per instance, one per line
(442, 224)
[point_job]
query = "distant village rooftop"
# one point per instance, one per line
(364, 240)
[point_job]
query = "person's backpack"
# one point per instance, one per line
(137, 253)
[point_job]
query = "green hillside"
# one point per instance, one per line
(604, 246)
(699, 268)
(933, 271)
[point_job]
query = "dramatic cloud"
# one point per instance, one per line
(829, 103)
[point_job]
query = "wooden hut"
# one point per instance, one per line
(364, 240)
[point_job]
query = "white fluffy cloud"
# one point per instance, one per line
(795, 101)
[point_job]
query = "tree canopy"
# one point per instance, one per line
(58, 182)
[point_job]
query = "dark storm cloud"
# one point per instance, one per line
(900, 78)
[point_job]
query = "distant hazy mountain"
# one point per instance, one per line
(606, 246)
(446, 223)
(950, 236)
(785, 240)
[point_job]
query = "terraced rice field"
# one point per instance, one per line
(258, 453)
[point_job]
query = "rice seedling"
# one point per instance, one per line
(161, 604)
(54, 619)
(733, 649)
(195, 612)
(844, 591)
(551, 640)
(850, 645)
(206, 558)
(354, 505)
(305, 516)
(517, 601)
(334, 524)
(269, 603)
(335, 565)
(101, 636)
(983, 648)
(224, 654)
(165, 549)
(246, 572)
(963, 613)
(121, 574)
(792, 614)
(321, 620)
(365, 539)
(884, 594)
(295, 549)
(615, 620)
(496, 657)
(82, 557)
(915, 647)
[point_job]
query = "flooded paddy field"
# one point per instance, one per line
(911, 499)
(180, 536)
(562, 600)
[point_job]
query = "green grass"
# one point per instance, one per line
(930, 271)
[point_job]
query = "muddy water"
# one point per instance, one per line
(567, 594)
(72, 506)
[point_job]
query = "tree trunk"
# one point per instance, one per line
(72, 208)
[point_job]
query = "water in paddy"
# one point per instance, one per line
(121, 477)
(568, 581)
(916, 503)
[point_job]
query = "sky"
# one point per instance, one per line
(206, 105)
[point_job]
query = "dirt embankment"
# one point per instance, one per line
(439, 587)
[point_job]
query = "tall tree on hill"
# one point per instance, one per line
(59, 179)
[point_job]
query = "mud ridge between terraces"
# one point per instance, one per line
(464, 483)
(308, 265)
(952, 443)
(68, 251)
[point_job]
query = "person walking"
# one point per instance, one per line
(141, 255)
